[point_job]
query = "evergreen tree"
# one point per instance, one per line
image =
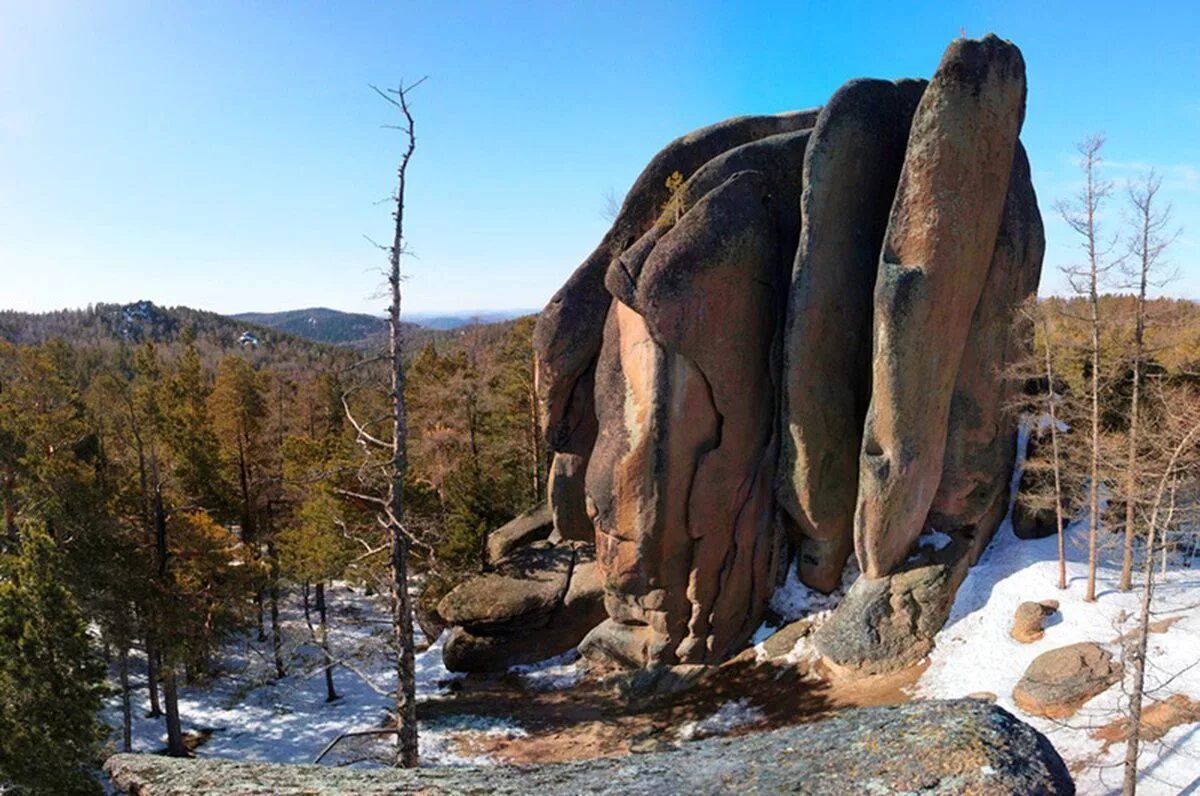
(50, 678)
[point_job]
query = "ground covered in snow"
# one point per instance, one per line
(975, 653)
(552, 711)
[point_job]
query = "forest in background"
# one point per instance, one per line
(163, 478)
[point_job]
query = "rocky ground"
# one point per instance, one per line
(963, 747)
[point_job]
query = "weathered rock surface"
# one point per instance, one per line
(534, 525)
(952, 747)
(567, 498)
(540, 602)
(1030, 618)
(725, 375)
(687, 383)
(851, 169)
(1058, 682)
(980, 439)
(886, 624)
(568, 332)
(936, 255)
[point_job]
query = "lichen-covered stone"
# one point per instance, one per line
(936, 748)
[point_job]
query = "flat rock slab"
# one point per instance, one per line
(951, 747)
(1058, 682)
(525, 589)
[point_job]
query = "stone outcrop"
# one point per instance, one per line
(539, 602)
(791, 344)
(885, 624)
(952, 747)
(681, 479)
(932, 270)
(1058, 682)
(1029, 620)
(850, 173)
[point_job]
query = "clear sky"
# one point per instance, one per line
(228, 155)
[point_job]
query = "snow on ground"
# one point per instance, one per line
(730, 716)
(255, 717)
(554, 674)
(975, 653)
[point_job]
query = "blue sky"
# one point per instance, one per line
(228, 155)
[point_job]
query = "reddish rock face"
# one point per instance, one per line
(568, 333)
(981, 436)
(933, 266)
(804, 342)
(850, 173)
(687, 385)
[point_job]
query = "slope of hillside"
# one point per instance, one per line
(108, 326)
(320, 324)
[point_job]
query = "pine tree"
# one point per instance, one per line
(50, 678)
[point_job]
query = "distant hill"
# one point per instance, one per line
(320, 324)
(294, 338)
(359, 330)
(108, 326)
(431, 320)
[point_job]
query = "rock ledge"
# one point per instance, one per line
(950, 747)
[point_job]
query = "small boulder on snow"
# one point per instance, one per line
(1058, 682)
(1028, 621)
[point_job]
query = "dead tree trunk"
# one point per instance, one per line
(126, 701)
(1147, 246)
(1058, 504)
(1081, 216)
(175, 747)
(1137, 691)
(331, 694)
(402, 610)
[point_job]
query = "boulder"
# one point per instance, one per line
(1029, 619)
(524, 591)
(1058, 682)
(540, 603)
(850, 172)
(886, 624)
(935, 260)
(935, 748)
(534, 525)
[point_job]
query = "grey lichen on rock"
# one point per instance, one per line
(937, 748)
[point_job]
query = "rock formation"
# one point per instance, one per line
(1029, 620)
(791, 343)
(952, 747)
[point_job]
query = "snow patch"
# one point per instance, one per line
(728, 717)
(553, 674)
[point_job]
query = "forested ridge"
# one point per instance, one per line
(164, 478)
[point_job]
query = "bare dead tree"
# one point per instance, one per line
(1052, 411)
(1035, 366)
(389, 506)
(1080, 214)
(1146, 247)
(1182, 423)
